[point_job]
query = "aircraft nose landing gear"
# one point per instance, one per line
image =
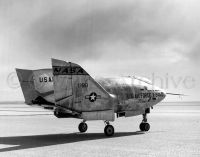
(82, 127)
(144, 126)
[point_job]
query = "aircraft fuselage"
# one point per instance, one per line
(126, 93)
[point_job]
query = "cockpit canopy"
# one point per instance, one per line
(143, 79)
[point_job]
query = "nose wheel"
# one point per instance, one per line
(82, 127)
(144, 126)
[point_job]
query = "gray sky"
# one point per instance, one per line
(156, 39)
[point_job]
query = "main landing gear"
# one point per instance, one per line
(144, 126)
(109, 129)
(82, 127)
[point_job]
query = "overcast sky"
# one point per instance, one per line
(156, 39)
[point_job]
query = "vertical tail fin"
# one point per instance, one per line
(27, 84)
(37, 86)
(76, 90)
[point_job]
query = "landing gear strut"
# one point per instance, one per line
(109, 129)
(144, 126)
(82, 127)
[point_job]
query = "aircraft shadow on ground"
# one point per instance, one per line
(33, 141)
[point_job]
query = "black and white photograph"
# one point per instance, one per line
(91, 78)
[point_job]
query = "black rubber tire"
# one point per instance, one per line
(144, 126)
(141, 126)
(57, 114)
(109, 130)
(82, 127)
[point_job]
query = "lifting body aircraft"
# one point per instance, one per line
(71, 92)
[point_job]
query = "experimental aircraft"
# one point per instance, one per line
(70, 92)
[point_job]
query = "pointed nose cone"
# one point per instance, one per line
(163, 93)
(160, 92)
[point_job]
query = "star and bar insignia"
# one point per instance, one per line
(93, 97)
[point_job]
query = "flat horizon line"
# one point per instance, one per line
(20, 102)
